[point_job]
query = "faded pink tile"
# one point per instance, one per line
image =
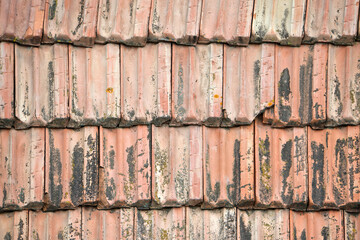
(14, 225)
(352, 225)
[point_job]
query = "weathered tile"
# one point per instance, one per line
(125, 21)
(109, 224)
(22, 162)
(146, 84)
(22, 21)
(226, 21)
(95, 85)
(352, 225)
(281, 167)
(228, 155)
(331, 21)
(167, 223)
(6, 84)
(55, 225)
(248, 82)
(268, 116)
(125, 161)
(41, 83)
(280, 21)
(70, 21)
(316, 225)
(197, 84)
(177, 166)
(334, 168)
(300, 85)
(14, 225)
(215, 224)
(263, 224)
(71, 175)
(175, 20)
(343, 87)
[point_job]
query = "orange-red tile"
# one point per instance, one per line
(14, 225)
(352, 225)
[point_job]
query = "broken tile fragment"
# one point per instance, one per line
(14, 225)
(352, 225)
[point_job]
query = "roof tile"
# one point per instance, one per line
(14, 225)
(352, 225)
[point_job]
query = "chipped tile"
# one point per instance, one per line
(14, 225)
(70, 21)
(175, 20)
(41, 83)
(95, 85)
(146, 84)
(22, 21)
(197, 84)
(125, 21)
(352, 225)
(22, 155)
(110, 224)
(226, 21)
(6, 84)
(71, 175)
(280, 21)
(248, 82)
(177, 166)
(228, 167)
(331, 21)
(125, 174)
(334, 168)
(281, 167)
(263, 224)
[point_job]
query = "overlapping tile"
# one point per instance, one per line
(281, 167)
(14, 225)
(71, 175)
(6, 84)
(331, 21)
(226, 21)
(125, 174)
(123, 22)
(248, 82)
(22, 21)
(146, 84)
(95, 85)
(228, 167)
(175, 20)
(352, 225)
(177, 166)
(41, 83)
(334, 168)
(197, 84)
(22, 162)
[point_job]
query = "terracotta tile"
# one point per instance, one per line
(6, 84)
(280, 21)
(197, 84)
(70, 21)
(263, 224)
(14, 225)
(55, 225)
(226, 21)
(316, 225)
(95, 85)
(71, 176)
(228, 167)
(146, 84)
(110, 224)
(177, 166)
(125, 21)
(175, 20)
(352, 225)
(22, 21)
(331, 21)
(281, 167)
(248, 82)
(334, 172)
(168, 223)
(216, 224)
(41, 83)
(125, 175)
(343, 87)
(22, 159)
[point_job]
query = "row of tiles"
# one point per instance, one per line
(248, 167)
(134, 22)
(216, 85)
(180, 223)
